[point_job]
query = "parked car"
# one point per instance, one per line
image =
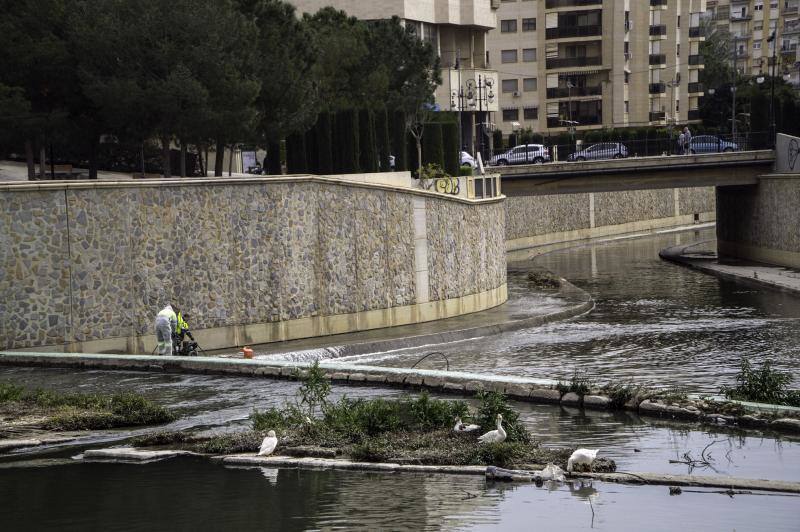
(467, 160)
(711, 144)
(523, 154)
(596, 152)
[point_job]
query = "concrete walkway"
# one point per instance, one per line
(702, 256)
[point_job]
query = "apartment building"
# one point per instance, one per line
(587, 64)
(458, 31)
(750, 24)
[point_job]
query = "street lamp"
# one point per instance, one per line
(772, 40)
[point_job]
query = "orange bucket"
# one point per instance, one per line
(248, 352)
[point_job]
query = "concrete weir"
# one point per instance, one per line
(526, 389)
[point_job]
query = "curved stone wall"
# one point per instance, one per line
(555, 218)
(85, 266)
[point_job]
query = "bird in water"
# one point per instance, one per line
(461, 427)
(582, 456)
(495, 436)
(269, 444)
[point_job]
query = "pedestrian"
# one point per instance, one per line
(681, 142)
(166, 323)
(687, 141)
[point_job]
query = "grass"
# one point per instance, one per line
(76, 411)
(762, 385)
(579, 384)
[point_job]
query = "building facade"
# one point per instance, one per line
(458, 31)
(750, 24)
(587, 64)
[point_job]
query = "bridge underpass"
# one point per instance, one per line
(636, 173)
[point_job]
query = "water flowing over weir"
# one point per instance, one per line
(653, 322)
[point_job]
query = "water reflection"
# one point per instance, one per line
(184, 494)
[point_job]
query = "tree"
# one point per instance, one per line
(288, 101)
(367, 143)
(38, 70)
(382, 138)
(434, 148)
(451, 148)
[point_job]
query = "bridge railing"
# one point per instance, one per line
(619, 148)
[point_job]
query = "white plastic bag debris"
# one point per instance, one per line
(553, 472)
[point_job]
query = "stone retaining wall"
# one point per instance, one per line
(761, 222)
(548, 219)
(85, 266)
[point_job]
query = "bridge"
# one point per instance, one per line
(637, 173)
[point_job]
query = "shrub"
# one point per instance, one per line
(465, 170)
(10, 392)
(579, 384)
(762, 385)
(452, 148)
(315, 388)
(493, 403)
(324, 144)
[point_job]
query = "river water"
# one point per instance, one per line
(653, 322)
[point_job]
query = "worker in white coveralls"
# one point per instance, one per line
(166, 322)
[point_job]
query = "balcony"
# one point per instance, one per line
(555, 4)
(658, 88)
(696, 60)
(656, 116)
(658, 3)
(574, 92)
(588, 120)
(694, 114)
(658, 59)
(658, 30)
(741, 18)
(695, 87)
(572, 62)
(696, 32)
(574, 31)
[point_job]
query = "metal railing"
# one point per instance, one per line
(695, 86)
(656, 116)
(615, 148)
(574, 31)
(697, 59)
(657, 88)
(555, 4)
(695, 32)
(658, 3)
(659, 29)
(565, 92)
(570, 62)
(658, 59)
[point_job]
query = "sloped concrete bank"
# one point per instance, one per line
(701, 257)
(582, 303)
(767, 417)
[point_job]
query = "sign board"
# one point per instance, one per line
(787, 154)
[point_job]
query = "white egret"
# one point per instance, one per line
(582, 456)
(495, 436)
(461, 427)
(269, 444)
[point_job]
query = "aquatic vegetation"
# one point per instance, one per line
(579, 384)
(77, 411)
(762, 385)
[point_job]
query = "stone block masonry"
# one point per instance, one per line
(554, 218)
(85, 266)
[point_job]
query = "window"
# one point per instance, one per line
(508, 26)
(510, 115)
(529, 55)
(627, 77)
(678, 49)
(529, 24)
(510, 85)
(529, 85)
(757, 45)
(508, 56)
(679, 21)
(759, 5)
(627, 106)
(530, 113)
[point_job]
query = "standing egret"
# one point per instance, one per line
(269, 444)
(461, 427)
(495, 436)
(582, 456)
